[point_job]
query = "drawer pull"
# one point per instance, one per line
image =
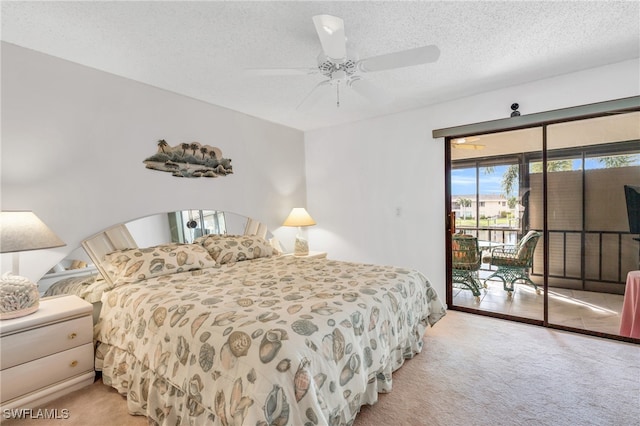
(73, 363)
(73, 336)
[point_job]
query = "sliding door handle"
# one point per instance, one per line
(452, 223)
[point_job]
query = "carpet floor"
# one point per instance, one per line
(473, 371)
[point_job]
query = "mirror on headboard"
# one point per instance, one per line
(182, 226)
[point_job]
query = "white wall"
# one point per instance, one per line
(376, 187)
(73, 142)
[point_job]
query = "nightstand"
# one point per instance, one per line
(46, 354)
(311, 255)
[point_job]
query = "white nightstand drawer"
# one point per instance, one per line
(24, 347)
(28, 377)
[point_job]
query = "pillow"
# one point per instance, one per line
(132, 265)
(235, 248)
(93, 292)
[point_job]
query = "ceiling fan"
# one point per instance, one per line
(466, 143)
(340, 69)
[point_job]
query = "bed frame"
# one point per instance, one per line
(115, 238)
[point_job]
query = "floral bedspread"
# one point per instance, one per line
(271, 341)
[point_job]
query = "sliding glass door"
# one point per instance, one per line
(591, 249)
(539, 227)
(491, 200)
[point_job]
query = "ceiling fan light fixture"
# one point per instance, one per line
(339, 75)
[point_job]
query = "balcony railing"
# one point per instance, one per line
(584, 256)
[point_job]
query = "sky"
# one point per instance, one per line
(463, 181)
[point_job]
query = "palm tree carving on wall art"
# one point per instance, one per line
(189, 159)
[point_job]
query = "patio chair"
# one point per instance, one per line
(513, 263)
(466, 260)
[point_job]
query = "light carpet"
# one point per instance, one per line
(473, 370)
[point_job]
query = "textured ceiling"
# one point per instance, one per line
(200, 49)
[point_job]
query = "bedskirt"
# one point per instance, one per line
(148, 394)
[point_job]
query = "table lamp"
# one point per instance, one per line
(300, 218)
(21, 231)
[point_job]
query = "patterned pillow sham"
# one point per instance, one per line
(235, 248)
(132, 265)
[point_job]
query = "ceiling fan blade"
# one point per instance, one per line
(369, 91)
(280, 71)
(404, 58)
(330, 30)
(314, 96)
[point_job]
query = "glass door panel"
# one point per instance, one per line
(463, 196)
(497, 201)
(590, 247)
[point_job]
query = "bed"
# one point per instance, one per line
(225, 331)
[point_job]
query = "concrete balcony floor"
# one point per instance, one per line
(572, 308)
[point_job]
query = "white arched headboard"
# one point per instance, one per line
(115, 238)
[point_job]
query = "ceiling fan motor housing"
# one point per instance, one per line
(336, 71)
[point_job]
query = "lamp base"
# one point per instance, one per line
(18, 296)
(19, 313)
(301, 247)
